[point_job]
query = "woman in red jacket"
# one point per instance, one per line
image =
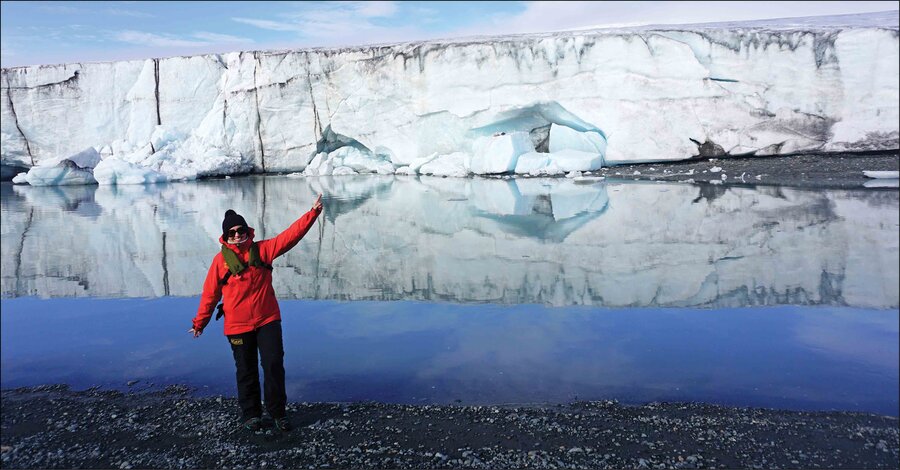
(241, 275)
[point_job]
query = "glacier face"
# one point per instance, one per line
(648, 94)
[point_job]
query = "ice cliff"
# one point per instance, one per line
(535, 104)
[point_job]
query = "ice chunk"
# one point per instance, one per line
(532, 162)
(163, 136)
(499, 153)
(453, 164)
(319, 166)
(361, 161)
(116, 171)
(882, 174)
(343, 170)
(566, 138)
(576, 160)
(353, 158)
(60, 175)
(87, 158)
(715, 169)
(20, 178)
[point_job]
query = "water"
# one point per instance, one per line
(503, 291)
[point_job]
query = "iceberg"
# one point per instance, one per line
(75, 169)
(655, 93)
(59, 175)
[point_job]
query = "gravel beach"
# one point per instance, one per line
(832, 170)
(55, 427)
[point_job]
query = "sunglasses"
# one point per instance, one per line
(237, 231)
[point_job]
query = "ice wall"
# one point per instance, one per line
(646, 94)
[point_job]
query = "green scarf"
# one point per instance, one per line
(236, 266)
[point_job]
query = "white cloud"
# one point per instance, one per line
(132, 13)
(196, 39)
(270, 25)
(374, 9)
(157, 40)
(544, 16)
(220, 38)
(339, 23)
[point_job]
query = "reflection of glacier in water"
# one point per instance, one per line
(553, 241)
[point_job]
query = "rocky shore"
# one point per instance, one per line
(55, 427)
(832, 170)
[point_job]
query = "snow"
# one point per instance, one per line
(654, 93)
(882, 174)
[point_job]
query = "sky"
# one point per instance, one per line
(34, 33)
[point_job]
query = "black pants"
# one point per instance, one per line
(265, 340)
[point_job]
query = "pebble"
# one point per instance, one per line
(598, 434)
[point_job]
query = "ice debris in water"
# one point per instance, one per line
(882, 174)
(75, 169)
(715, 169)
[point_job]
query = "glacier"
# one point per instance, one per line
(579, 100)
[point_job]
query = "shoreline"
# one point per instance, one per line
(815, 171)
(842, 170)
(53, 426)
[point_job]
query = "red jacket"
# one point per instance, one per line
(249, 299)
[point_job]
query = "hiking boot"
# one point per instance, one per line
(253, 424)
(283, 425)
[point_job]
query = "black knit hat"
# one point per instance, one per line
(231, 219)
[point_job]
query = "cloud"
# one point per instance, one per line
(196, 39)
(220, 38)
(374, 9)
(132, 13)
(157, 40)
(270, 25)
(61, 9)
(345, 23)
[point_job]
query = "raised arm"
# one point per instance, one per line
(281, 244)
(212, 292)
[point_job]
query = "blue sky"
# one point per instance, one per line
(60, 32)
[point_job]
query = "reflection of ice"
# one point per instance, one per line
(556, 241)
(75, 199)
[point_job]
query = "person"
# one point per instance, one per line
(241, 275)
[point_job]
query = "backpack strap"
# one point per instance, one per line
(235, 266)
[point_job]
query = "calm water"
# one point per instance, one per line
(524, 290)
